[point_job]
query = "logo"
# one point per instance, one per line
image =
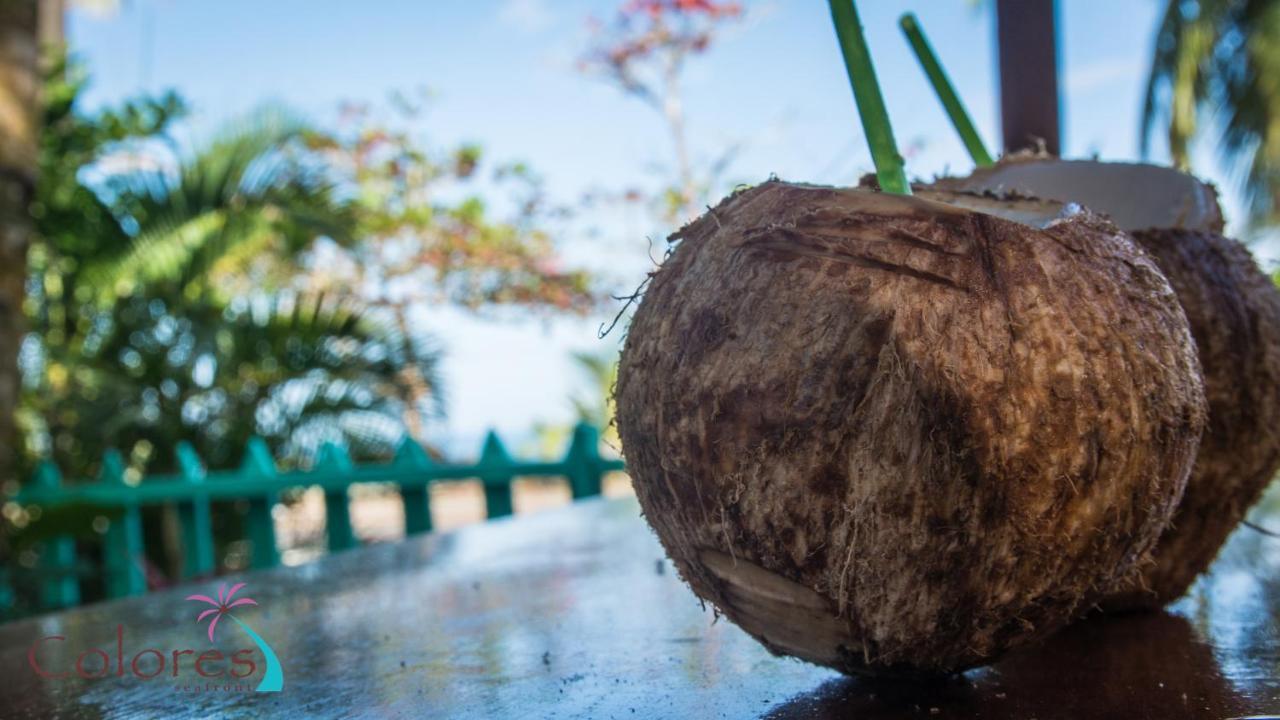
(50, 656)
(273, 678)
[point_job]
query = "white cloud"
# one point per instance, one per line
(526, 15)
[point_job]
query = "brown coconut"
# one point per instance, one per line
(1234, 312)
(892, 435)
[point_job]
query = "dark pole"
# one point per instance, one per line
(1028, 45)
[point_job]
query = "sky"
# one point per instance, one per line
(502, 74)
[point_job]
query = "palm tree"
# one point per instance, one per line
(295, 369)
(19, 81)
(162, 300)
(1217, 63)
(230, 216)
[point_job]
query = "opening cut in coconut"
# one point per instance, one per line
(1135, 196)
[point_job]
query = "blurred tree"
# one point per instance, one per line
(643, 51)
(426, 225)
(19, 81)
(159, 295)
(429, 236)
(1217, 63)
(183, 296)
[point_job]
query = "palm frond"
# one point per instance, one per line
(1217, 64)
(282, 366)
(1181, 73)
(1249, 111)
(251, 186)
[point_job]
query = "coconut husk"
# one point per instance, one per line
(1234, 312)
(891, 435)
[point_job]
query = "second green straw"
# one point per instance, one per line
(946, 93)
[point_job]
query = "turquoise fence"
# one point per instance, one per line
(193, 489)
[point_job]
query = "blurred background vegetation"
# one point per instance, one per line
(167, 297)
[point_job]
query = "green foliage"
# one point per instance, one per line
(244, 197)
(71, 520)
(73, 221)
(160, 302)
(174, 292)
(296, 370)
(594, 405)
(1219, 60)
(185, 294)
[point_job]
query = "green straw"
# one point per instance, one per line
(866, 93)
(946, 93)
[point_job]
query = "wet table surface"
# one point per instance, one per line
(574, 613)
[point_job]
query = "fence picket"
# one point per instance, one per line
(195, 516)
(259, 465)
(125, 560)
(334, 464)
(494, 473)
(583, 462)
(61, 588)
(416, 496)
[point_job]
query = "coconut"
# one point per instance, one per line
(893, 435)
(1234, 312)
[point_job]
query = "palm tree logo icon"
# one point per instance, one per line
(273, 679)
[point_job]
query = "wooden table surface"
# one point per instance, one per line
(574, 613)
